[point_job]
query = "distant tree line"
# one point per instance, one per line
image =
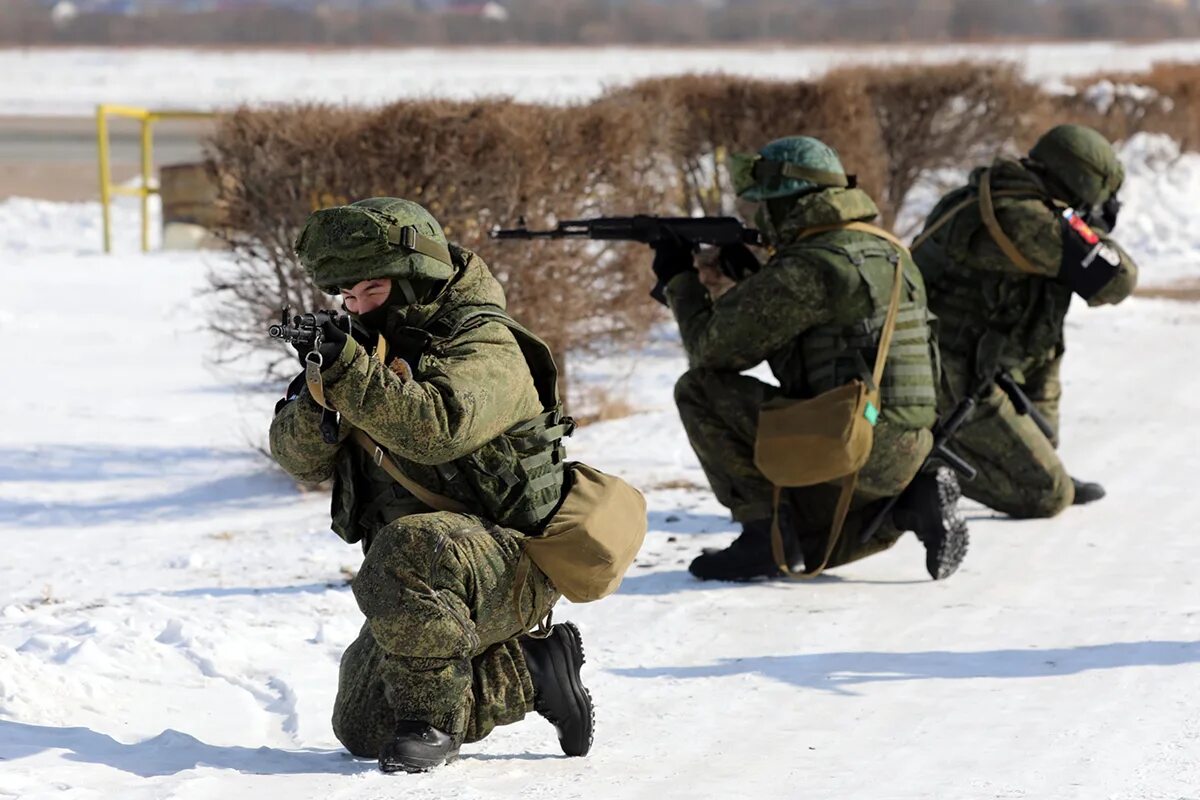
(585, 22)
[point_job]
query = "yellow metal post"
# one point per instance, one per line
(147, 171)
(147, 118)
(105, 174)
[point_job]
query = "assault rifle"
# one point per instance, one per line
(643, 228)
(1023, 405)
(943, 433)
(305, 333)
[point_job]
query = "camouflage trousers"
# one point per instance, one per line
(719, 411)
(1020, 473)
(440, 641)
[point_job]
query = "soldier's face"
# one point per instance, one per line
(366, 296)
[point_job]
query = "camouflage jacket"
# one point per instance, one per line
(992, 314)
(442, 408)
(815, 310)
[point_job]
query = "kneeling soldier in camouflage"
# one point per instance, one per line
(439, 408)
(815, 313)
(1002, 257)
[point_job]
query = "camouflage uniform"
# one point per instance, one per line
(996, 316)
(436, 587)
(803, 313)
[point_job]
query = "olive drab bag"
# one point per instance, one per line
(588, 540)
(805, 442)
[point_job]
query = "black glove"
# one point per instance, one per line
(1109, 211)
(736, 261)
(334, 339)
(672, 256)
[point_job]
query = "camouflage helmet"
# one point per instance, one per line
(383, 237)
(1080, 162)
(786, 167)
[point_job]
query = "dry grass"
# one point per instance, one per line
(600, 404)
(1187, 291)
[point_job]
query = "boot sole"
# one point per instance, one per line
(943, 557)
(566, 667)
(416, 765)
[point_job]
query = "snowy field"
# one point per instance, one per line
(208, 79)
(172, 609)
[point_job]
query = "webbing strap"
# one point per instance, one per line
(432, 499)
(850, 482)
(945, 219)
(410, 238)
(987, 212)
(312, 379)
(862, 227)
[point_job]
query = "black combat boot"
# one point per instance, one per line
(929, 508)
(416, 747)
(1086, 492)
(558, 692)
(749, 556)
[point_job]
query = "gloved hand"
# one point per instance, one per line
(672, 256)
(736, 261)
(1109, 212)
(333, 339)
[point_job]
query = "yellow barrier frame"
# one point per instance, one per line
(146, 118)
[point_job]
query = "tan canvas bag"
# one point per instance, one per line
(591, 541)
(587, 546)
(820, 439)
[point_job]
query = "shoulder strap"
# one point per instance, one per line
(432, 499)
(537, 352)
(850, 482)
(987, 213)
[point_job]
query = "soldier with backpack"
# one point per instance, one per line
(1002, 258)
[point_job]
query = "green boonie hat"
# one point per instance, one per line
(1081, 161)
(785, 167)
(383, 237)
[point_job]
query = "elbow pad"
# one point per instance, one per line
(1088, 264)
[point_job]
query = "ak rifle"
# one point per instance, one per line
(716, 231)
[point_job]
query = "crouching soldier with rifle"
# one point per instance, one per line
(1002, 257)
(437, 417)
(838, 312)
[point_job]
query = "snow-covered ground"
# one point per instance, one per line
(206, 79)
(172, 609)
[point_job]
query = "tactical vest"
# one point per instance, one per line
(838, 352)
(514, 480)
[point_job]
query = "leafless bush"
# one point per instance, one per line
(474, 166)
(654, 147)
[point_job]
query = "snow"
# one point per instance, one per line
(174, 608)
(210, 79)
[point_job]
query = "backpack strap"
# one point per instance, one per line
(987, 213)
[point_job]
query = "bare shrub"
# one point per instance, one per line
(1166, 99)
(655, 147)
(474, 166)
(930, 118)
